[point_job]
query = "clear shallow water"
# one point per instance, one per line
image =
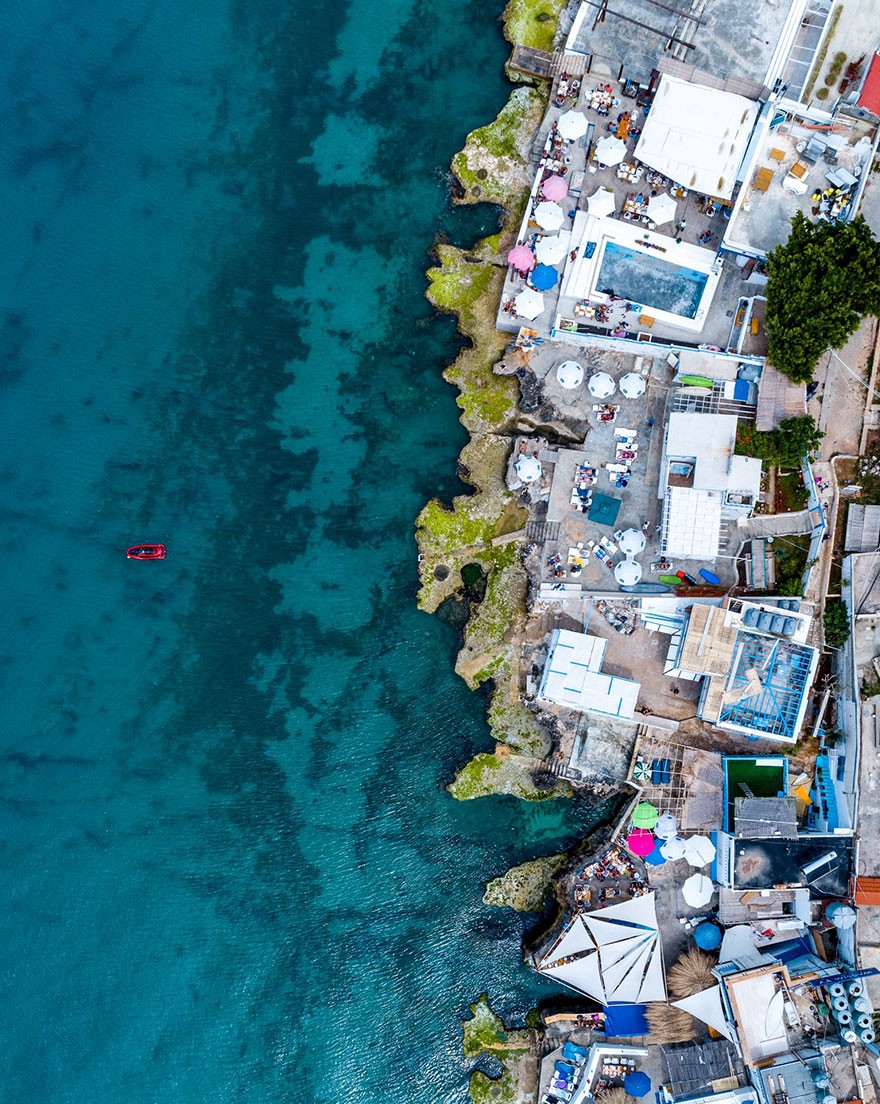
(230, 870)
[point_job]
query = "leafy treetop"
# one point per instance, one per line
(782, 447)
(821, 283)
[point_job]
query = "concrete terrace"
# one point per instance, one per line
(695, 232)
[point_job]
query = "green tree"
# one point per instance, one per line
(782, 447)
(836, 624)
(821, 283)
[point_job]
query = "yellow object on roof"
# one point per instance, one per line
(803, 792)
(763, 178)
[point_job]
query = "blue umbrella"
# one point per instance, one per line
(656, 857)
(637, 1083)
(544, 277)
(707, 936)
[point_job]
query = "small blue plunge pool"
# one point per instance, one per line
(650, 281)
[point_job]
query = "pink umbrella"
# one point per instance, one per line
(521, 257)
(554, 187)
(640, 842)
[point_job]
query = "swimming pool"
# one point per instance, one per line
(650, 281)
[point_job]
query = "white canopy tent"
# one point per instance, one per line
(707, 1006)
(697, 136)
(613, 954)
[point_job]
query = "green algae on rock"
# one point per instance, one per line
(499, 772)
(532, 22)
(491, 167)
(527, 886)
(485, 1033)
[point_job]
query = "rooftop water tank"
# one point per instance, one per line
(790, 626)
(765, 620)
(751, 616)
(777, 623)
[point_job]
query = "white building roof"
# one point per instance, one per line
(710, 440)
(613, 954)
(573, 678)
(697, 135)
(692, 523)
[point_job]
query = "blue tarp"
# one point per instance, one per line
(625, 1020)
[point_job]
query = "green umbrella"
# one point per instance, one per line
(645, 815)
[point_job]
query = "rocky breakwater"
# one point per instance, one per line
(473, 539)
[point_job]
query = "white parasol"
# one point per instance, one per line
(632, 385)
(570, 374)
(627, 572)
(661, 208)
(529, 304)
(700, 850)
(601, 202)
(601, 385)
(632, 542)
(610, 151)
(572, 125)
(528, 468)
(549, 216)
(697, 890)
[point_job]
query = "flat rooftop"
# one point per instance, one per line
(635, 35)
(801, 163)
(766, 863)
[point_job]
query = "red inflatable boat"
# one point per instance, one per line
(147, 552)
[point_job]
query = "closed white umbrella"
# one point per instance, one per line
(632, 385)
(529, 304)
(627, 572)
(661, 208)
(666, 826)
(528, 468)
(632, 542)
(572, 125)
(549, 216)
(610, 150)
(550, 251)
(697, 890)
(601, 385)
(700, 850)
(601, 202)
(570, 374)
(673, 849)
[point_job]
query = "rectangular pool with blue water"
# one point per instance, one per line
(650, 281)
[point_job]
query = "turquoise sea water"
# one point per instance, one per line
(231, 872)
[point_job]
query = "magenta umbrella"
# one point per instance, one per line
(640, 842)
(554, 187)
(521, 257)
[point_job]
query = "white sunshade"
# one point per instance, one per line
(572, 125)
(610, 150)
(570, 374)
(666, 827)
(673, 849)
(551, 251)
(549, 216)
(661, 208)
(601, 202)
(529, 304)
(627, 572)
(707, 1006)
(528, 468)
(697, 890)
(574, 940)
(697, 136)
(699, 850)
(632, 542)
(601, 385)
(632, 385)
(738, 945)
(628, 965)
